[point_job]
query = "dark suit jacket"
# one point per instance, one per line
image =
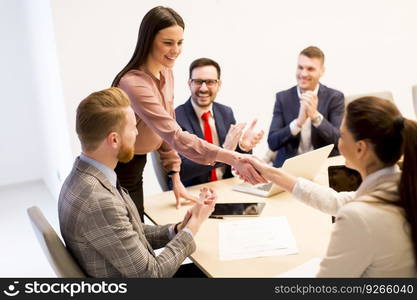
(193, 173)
(102, 229)
(287, 105)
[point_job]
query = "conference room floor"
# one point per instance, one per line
(20, 252)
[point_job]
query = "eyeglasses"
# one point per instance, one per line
(208, 82)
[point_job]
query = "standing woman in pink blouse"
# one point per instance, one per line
(149, 82)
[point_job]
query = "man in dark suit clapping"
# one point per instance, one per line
(211, 121)
(308, 115)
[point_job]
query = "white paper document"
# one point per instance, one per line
(255, 237)
(307, 269)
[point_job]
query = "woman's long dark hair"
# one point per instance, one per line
(381, 123)
(155, 20)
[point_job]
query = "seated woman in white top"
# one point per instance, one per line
(375, 234)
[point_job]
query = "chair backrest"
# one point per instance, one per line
(160, 172)
(57, 254)
(384, 95)
(414, 88)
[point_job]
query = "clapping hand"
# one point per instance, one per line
(201, 210)
(250, 138)
(233, 136)
(302, 114)
(310, 101)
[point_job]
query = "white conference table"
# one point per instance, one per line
(310, 227)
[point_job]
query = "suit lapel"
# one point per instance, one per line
(194, 121)
(220, 122)
(295, 107)
(321, 95)
(93, 171)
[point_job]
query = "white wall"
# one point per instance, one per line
(369, 45)
(20, 151)
(34, 135)
(48, 95)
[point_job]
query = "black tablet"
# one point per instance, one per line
(237, 209)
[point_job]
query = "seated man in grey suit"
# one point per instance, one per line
(211, 121)
(308, 115)
(99, 222)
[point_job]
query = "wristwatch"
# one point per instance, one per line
(317, 120)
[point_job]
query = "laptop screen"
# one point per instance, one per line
(344, 179)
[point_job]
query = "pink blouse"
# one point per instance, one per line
(152, 101)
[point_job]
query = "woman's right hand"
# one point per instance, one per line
(275, 175)
(260, 166)
(247, 171)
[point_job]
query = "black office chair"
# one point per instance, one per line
(57, 254)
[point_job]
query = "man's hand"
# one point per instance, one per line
(310, 101)
(202, 209)
(246, 171)
(180, 191)
(250, 138)
(302, 114)
(233, 135)
(262, 167)
(185, 220)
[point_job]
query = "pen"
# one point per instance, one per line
(215, 217)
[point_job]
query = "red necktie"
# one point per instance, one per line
(209, 138)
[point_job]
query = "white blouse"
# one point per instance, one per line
(370, 238)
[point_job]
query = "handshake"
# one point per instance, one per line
(253, 169)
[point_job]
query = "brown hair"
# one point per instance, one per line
(156, 19)
(99, 114)
(202, 62)
(380, 123)
(313, 52)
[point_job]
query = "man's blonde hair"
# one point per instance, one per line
(313, 52)
(99, 114)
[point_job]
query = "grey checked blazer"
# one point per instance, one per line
(103, 231)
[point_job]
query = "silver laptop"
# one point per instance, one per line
(306, 165)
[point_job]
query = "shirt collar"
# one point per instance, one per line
(369, 180)
(159, 82)
(199, 111)
(316, 90)
(108, 172)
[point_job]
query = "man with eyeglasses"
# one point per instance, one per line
(308, 115)
(211, 121)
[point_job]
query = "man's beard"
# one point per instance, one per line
(126, 153)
